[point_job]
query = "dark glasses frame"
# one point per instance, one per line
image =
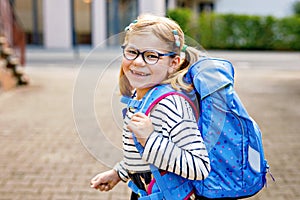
(143, 54)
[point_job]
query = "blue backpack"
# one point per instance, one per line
(232, 138)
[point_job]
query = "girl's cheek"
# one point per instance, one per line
(125, 64)
(125, 67)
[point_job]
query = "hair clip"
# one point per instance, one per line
(176, 37)
(128, 28)
(184, 48)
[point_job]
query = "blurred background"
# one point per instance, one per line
(67, 23)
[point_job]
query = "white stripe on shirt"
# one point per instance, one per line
(176, 144)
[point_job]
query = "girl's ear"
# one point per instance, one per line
(174, 64)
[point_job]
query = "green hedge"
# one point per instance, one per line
(296, 8)
(183, 17)
(229, 31)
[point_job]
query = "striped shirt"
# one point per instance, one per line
(175, 145)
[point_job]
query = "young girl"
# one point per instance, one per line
(169, 135)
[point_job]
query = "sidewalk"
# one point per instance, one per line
(44, 157)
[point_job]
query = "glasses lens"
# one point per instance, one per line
(130, 53)
(151, 57)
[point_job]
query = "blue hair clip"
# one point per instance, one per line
(176, 37)
(128, 28)
(184, 48)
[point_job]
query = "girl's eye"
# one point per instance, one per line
(133, 52)
(152, 55)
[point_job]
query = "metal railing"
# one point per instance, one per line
(11, 29)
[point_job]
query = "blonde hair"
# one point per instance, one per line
(162, 28)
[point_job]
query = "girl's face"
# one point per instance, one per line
(143, 76)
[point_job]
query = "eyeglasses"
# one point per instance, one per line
(150, 57)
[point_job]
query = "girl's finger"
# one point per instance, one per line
(103, 187)
(139, 114)
(136, 118)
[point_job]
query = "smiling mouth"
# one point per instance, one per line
(139, 73)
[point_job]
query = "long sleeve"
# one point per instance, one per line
(176, 144)
(121, 170)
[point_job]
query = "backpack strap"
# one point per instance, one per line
(173, 93)
(155, 171)
(152, 98)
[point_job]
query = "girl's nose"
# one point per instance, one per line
(139, 61)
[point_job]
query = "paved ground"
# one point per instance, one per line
(46, 128)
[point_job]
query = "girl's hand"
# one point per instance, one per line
(141, 126)
(105, 181)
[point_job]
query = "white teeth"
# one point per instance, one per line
(139, 73)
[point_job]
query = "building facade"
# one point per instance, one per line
(68, 23)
